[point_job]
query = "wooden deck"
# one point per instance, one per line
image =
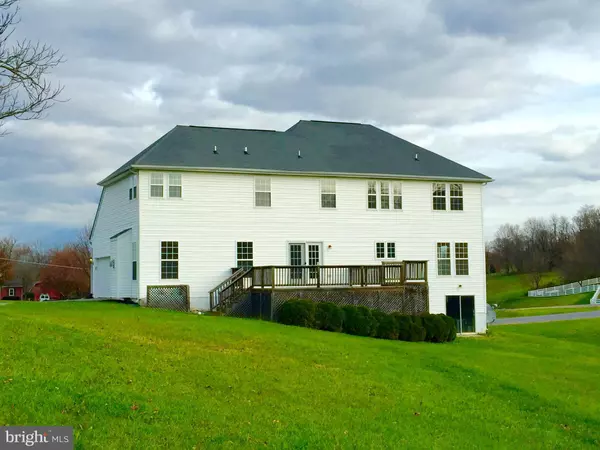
(316, 277)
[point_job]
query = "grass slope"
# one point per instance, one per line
(127, 377)
(510, 291)
(506, 313)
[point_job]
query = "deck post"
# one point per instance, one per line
(318, 276)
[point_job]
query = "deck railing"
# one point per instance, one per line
(274, 277)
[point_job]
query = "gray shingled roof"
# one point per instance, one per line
(325, 147)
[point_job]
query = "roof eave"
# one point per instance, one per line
(483, 179)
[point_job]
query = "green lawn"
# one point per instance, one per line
(127, 377)
(510, 291)
(500, 314)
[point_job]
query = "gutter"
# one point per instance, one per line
(305, 173)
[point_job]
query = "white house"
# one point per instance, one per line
(203, 200)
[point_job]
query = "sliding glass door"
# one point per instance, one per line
(462, 310)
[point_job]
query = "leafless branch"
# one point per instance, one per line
(25, 91)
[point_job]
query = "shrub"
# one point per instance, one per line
(451, 324)
(29, 296)
(387, 326)
(404, 324)
(436, 328)
(298, 312)
(329, 317)
(357, 321)
(417, 333)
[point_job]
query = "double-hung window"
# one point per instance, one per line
(245, 255)
(461, 253)
(328, 194)
(262, 191)
(174, 185)
(441, 201)
(456, 197)
(133, 187)
(444, 263)
(385, 250)
(439, 196)
(134, 261)
(384, 194)
(169, 260)
(157, 185)
(372, 195)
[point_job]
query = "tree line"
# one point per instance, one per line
(570, 246)
(65, 269)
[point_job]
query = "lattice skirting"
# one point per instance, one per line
(410, 299)
(176, 298)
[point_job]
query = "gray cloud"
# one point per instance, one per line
(479, 83)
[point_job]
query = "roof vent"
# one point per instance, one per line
(215, 150)
(246, 151)
(299, 155)
(416, 156)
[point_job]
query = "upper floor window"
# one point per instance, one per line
(372, 195)
(157, 185)
(328, 195)
(439, 196)
(245, 255)
(441, 201)
(389, 193)
(175, 185)
(169, 260)
(133, 187)
(456, 197)
(262, 191)
(461, 253)
(385, 250)
(443, 259)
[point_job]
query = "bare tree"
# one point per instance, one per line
(25, 91)
(7, 254)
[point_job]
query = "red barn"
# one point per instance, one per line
(12, 290)
(39, 289)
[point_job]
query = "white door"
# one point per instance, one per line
(304, 254)
(101, 288)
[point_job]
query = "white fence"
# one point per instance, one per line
(590, 285)
(596, 298)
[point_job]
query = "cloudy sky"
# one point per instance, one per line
(509, 88)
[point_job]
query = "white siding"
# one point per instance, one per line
(217, 210)
(116, 213)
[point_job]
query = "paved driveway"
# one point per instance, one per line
(549, 318)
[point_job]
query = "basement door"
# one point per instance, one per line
(304, 254)
(462, 310)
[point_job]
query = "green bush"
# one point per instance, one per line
(417, 333)
(404, 324)
(451, 324)
(436, 328)
(329, 317)
(409, 328)
(358, 321)
(387, 326)
(298, 312)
